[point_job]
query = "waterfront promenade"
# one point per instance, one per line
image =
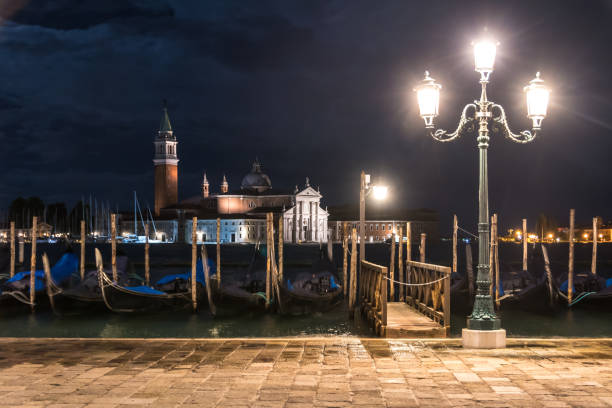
(303, 372)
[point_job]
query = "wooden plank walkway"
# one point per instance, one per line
(404, 321)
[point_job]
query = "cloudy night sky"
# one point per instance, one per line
(313, 88)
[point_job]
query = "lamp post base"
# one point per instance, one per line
(483, 339)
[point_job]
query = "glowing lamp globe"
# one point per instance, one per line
(380, 192)
(537, 95)
(428, 96)
(484, 56)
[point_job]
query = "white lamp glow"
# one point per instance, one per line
(380, 192)
(484, 55)
(537, 100)
(428, 96)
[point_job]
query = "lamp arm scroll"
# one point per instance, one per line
(465, 120)
(524, 136)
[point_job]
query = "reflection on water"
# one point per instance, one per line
(234, 323)
(562, 323)
(227, 323)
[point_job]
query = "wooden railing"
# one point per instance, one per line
(373, 296)
(431, 299)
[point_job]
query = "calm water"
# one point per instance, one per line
(240, 323)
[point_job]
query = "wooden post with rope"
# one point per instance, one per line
(12, 238)
(206, 268)
(455, 227)
(268, 261)
(524, 244)
(194, 259)
(218, 252)
(570, 267)
(82, 260)
(146, 248)
(400, 265)
(422, 247)
(594, 259)
(33, 262)
(392, 268)
(353, 290)
(345, 259)
(114, 246)
(280, 248)
(404, 289)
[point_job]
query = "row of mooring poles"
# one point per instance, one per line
(494, 255)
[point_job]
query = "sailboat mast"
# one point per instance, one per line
(135, 219)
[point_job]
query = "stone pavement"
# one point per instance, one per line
(303, 372)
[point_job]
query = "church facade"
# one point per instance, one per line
(240, 211)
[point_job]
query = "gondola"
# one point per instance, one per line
(314, 291)
(169, 293)
(589, 290)
(84, 295)
(250, 289)
(15, 292)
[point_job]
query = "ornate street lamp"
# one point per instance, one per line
(490, 117)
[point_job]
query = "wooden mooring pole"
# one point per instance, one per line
(114, 246)
(353, 277)
(491, 255)
(469, 266)
(570, 267)
(205, 267)
(82, 260)
(33, 262)
(524, 244)
(392, 268)
(404, 289)
(345, 259)
(595, 237)
(455, 227)
(146, 254)
(268, 261)
(422, 247)
(12, 238)
(218, 252)
(194, 259)
(280, 248)
(496, 255)
(21, 243)
(400, 264)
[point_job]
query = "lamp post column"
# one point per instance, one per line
(483, 315)
(362, 193)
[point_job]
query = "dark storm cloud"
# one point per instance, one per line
(74, 14)
(314, 88)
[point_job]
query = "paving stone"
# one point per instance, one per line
(295, 373)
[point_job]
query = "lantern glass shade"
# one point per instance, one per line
(428, 96)
(484, 55)
(537, 98)
(380, 192)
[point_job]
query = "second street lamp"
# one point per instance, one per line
(488, 117)
(380, 193)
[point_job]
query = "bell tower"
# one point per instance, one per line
(205, 187)
(165, 160)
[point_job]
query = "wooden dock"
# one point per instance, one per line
(405, 322)
(425, 311)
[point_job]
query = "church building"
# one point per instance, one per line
(242, 210)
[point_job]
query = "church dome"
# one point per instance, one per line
(256, 181)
